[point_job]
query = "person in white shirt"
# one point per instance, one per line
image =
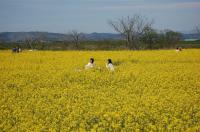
(90, 64)
(19, 50)
(109, 65)
(177, 49)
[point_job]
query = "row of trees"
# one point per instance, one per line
(137, 31)
(73, 36)
(147, 39)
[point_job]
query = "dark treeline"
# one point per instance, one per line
(100, 45)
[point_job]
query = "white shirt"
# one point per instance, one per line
(89, 65)
(110, 66)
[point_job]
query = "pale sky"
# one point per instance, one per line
(89, 16)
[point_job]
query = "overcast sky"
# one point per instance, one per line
(93, 15)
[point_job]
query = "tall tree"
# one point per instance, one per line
(198, 31)
(76, 37)
(131, 28)
(172, 38)
(29, 40)
(150, 37)
(40, 39)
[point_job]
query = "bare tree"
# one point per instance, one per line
(15, 36)
(76, 37)
(40, 39)
(1, 38)
(198, 31)
(131, 28)
(41, 36)
(29, 40)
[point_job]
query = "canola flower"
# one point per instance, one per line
(148, 91)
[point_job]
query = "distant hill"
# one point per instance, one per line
(20, 36)
(190, 36)
(103, 36)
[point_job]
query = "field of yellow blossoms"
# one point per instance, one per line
(148, 91)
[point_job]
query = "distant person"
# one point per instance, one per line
(19, 50)
(90, 64)
(109, 65)
(180, 49)
(177, 49)
(14, 50)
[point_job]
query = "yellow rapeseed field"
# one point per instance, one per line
(148, 91)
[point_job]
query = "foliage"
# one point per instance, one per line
(157, 43)
(51, 91)
(150, 37)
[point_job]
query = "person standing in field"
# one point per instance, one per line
(109, 65)
(90, 64)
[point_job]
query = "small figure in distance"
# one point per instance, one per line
(90, 64)
(178, 49)
(19, 50)
(109, 65)
(14, 49)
